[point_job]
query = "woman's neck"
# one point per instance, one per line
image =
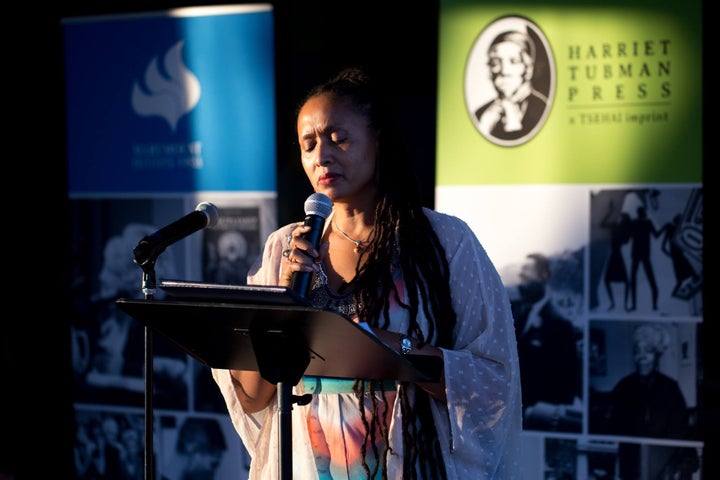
(353, 221)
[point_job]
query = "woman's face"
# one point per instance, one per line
(645, 357)
(337, 148)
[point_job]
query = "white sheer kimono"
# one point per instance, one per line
(480, 425)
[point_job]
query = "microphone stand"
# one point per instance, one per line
(148, 287)
(282, 358)
(145, 255)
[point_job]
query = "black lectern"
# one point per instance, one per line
(270, 330)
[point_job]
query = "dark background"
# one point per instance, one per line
(314, 38)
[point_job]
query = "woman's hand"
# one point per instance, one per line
(301, 256)
(392, 339)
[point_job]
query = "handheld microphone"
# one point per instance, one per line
(317, 208)
(205, 215)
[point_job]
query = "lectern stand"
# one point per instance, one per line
(268, 331)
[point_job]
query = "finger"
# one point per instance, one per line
(296, 256)
(286, 274)
(301, 246)
(299, 256)
(299, 231)
(290, 266)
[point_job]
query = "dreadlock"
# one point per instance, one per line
(401, 231)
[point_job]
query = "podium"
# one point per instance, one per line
(272, 331)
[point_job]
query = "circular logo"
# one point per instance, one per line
(510, 81)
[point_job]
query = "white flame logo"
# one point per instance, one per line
(171, 96)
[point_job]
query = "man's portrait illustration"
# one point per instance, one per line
(515, 102)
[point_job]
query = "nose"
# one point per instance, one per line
(505, 66)
(323, 153)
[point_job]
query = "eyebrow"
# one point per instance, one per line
(325, 130)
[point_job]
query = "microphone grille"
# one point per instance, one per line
(318, 204)
(210, 211)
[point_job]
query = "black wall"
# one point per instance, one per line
(314, 39)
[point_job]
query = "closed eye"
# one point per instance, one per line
(338, 138)
(308, 145)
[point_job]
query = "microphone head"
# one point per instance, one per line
(318, 204)
(210, 211)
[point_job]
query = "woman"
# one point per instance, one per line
(648, 403)
(405, 271)
(615, 269)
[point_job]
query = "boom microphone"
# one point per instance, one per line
(317, 208)
(205, 215)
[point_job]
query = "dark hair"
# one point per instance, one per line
(402, 232)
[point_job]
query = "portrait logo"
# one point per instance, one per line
(510, 81)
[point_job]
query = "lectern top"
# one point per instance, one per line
(255, 294)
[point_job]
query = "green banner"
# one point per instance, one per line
(618, 87)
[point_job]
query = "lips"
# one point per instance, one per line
(328, 178)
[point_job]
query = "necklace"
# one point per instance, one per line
(359, 245)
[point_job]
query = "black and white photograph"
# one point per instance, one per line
(546, 303)
(194, 447)
(109, 444)
(108, 345)
(231, 246)
(646, 251)
(649, 385)
(661, 461)
(561, 458)
(543, 267)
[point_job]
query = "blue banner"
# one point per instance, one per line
(175, 101)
